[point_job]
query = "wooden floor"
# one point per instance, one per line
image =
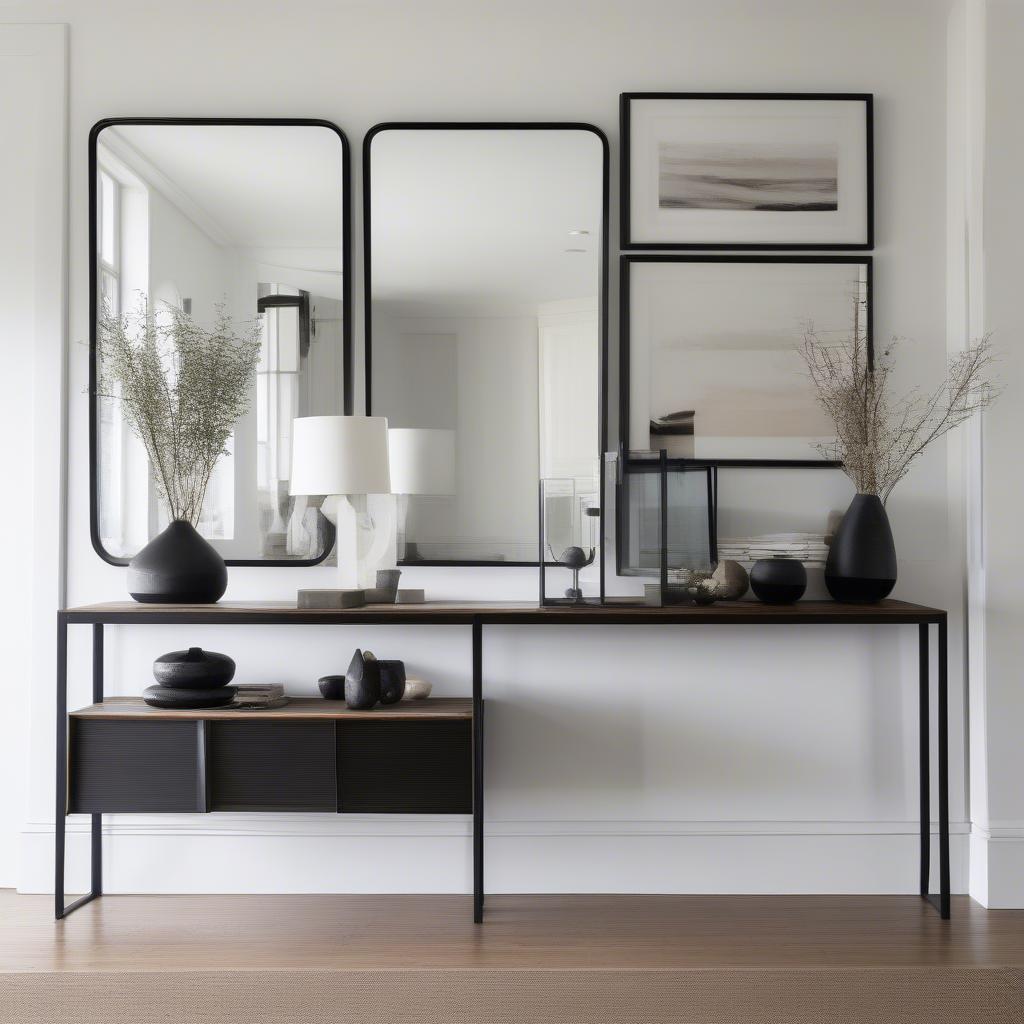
(227, 933)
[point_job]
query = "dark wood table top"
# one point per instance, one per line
(508, 613)
(297, 709)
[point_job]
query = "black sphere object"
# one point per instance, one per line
(194, 669)
(172, 697)
(332, 687)
(177, 567)
(362, 681)
(778, 580)
(861, 564)
(573, 558)
(392, 681)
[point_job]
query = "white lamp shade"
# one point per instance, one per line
(422, 461)
(340, 455)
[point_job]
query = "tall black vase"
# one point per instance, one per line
(861, 564)
(177, 566)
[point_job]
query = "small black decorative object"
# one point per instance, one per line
(172, 697)
(194, 669)
(392, 681)
(332, 687)
(362, 681)
(177, 566)
(574, 558)
(778, 580)
(861, 564)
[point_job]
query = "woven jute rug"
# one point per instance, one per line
(694, 996)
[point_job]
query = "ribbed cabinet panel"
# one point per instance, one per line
(271, 766)
(135, 766)
(405, 767)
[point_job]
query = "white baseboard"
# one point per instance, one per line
(322, 853)
(997, 866)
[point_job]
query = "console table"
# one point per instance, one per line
(318, 755)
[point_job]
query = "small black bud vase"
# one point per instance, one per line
(861, 564)
(178, 566)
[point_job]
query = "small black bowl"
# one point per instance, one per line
(778, 580)
(332, 687)
(194, 669)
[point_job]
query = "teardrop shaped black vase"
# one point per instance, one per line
(177, 566)
(861, 564)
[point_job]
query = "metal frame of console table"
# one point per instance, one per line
(895, 613)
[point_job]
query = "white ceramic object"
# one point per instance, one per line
(417, 689)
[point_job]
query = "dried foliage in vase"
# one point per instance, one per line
(878, 434)
(182, 389)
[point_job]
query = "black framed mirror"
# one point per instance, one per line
(485, 317)
(245, 215)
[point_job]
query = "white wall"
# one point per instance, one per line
(997, 226)
(733, 759)
(33, 321)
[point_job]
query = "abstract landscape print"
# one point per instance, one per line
(758, 171)
(701, 176)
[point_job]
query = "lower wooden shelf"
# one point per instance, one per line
(125, 708)
(414, 757)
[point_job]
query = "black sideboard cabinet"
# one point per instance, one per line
(311, 755)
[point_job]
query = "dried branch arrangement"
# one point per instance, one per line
(879, 435)
(182, 389)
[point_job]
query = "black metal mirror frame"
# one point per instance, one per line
(603, 273)
(346, 298)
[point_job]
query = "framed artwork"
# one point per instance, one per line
(710, 363)
(746, 171)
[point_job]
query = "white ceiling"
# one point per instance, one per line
(256, 185)
(480, 220)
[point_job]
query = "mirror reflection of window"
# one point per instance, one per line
(484, 326)
(202, 215)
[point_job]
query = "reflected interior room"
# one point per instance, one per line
(484, 263)
(247, 218)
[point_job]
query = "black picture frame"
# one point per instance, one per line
(346, 255)
(627, 242)
(627, 260)
(384, 126)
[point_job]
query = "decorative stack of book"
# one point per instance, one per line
(809, 548)
(255, 696)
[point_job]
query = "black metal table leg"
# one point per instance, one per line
(924, 727)
(96, 842)
(943, 725)
(61, 804)
(60, 809)
(478, 774)
(940, 900)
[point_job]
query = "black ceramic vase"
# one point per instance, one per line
(177, 567)
(861, 564)
(392, 681)
(362, 682)
(194, 669)
(778, 580)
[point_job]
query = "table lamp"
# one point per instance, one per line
(345, 459)
(422, 462)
